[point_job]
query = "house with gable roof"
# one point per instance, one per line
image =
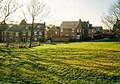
(53, 33)
(88, 31)
(22, 32)
(71, 31)
(3, 32)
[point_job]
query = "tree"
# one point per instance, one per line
(37, 10)
(114, 13)
(8, 7)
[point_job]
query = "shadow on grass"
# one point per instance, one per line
(34, 68)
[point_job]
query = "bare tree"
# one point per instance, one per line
(113, 14)
(37, 11)
(7, 9)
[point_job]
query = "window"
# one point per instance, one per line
(93, 31)
(73, 30)
(27, 27)
(35, 39)
(89, 31)
(77, 30)
(16, 40)
(5, 39)
(17, 34)
(35, 33)
(28, 39)
(80, 30)
(61, 30)
(24, 33)
(10, 33)
(78, 36)
(2, 33)
(87, 25)
(29, 33)
(55, 32)
(40, 33)
(73, 36)
(67, 35)
(23, 39)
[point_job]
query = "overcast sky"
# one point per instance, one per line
(73, 10)
(70, 10)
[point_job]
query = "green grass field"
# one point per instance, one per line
(62, 63)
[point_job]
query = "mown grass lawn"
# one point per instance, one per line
(62, 63)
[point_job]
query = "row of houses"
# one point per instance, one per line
(67, 31)
(21, 32)
(74, 31)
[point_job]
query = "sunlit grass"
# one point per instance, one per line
(81, 62)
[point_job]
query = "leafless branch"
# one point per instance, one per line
(113, 14)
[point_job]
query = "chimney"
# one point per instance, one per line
(79, 20)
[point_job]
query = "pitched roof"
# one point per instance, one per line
(4, 27)
(69, 24)
(15, 28)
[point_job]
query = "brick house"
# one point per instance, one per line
(88, 30)
(22, 33)
(98, 31)
(116, 29)
(3, 32)
(68, 31)
(71, 31)
(107, 33)
(53, 33)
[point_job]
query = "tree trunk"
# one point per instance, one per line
(31, 38)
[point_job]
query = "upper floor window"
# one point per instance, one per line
(61, 30)
(40, 33)
(35, 33)
(89, 31)
(27, 27)
(29, 33)
(2, 33)
(67, 35)
(35, 39)
(10, 33)
(28, 39)
(17, 34)
(24, 33)
(55, 32)
(93, 31)
(73, 29)
(80, 30)
(77, 30)
(83, 31)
